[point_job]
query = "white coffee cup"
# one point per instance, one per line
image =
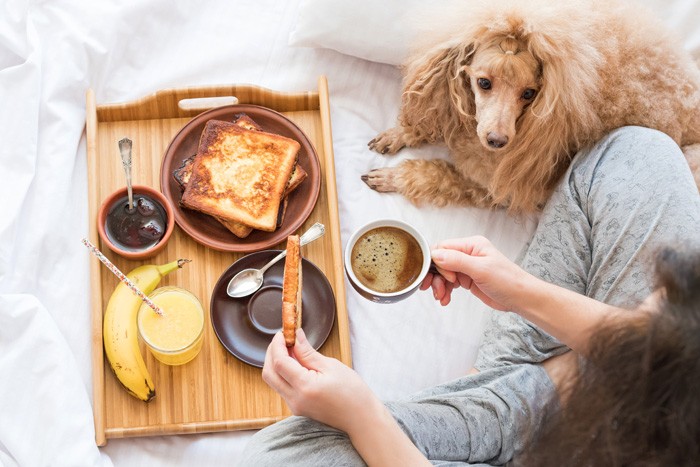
(420, 264)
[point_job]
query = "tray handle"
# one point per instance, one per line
(205, 103)
(190, 101)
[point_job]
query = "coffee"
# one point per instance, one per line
(386, 259)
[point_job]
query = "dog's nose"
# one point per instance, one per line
(495, 140)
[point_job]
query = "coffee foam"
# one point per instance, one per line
(386, 259)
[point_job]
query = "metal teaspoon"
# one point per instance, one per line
(248, 281)
(125, 151)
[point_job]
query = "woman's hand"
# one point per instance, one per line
(326, 390)
(475, 264)
(319, 387)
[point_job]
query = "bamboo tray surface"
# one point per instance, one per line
(216, 391)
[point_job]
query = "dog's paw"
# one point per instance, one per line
(381, 180)
(388, 142)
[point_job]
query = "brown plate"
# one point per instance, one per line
(245, 326)
(207, 230)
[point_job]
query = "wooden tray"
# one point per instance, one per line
(216, 391)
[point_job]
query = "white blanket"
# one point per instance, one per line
(52, 51)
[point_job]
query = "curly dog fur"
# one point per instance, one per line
(521, 86)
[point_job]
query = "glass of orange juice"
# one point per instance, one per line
(176, 336)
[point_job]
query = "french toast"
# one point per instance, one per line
(245, 121)
(291, 291)
(240, 175)
(242, 230)
(182, 175)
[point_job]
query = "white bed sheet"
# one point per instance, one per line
(50, 53)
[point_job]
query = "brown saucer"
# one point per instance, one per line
(207, 230)
(245, 326)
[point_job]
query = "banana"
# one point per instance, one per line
(120, 333)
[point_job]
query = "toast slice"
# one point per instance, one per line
(298, 176)
(242, 230)
(240, 175)
(182, 176)
(291, 291)
(183, 173)
(245, 121)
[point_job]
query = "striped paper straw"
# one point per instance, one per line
(122, 277)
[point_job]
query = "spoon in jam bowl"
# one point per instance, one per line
(249, 280)
(125, 152)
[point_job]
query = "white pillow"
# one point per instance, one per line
(369, 29)
(382, 31)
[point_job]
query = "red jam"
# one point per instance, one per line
(138, 228)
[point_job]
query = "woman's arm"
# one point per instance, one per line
(328, 391)
(570, 317)
(475, 264)
(380, 441)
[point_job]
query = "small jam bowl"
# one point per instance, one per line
(123, 250)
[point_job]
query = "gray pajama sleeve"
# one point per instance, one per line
(619, 202)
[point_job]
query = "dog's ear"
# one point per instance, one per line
(568, 78)
(437, 93)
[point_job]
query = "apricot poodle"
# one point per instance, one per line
(521, 86)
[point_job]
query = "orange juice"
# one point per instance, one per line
(176, 337)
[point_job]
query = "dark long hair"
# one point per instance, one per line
(635, 399)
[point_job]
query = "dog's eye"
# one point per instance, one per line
(484, 83)
(528, 94)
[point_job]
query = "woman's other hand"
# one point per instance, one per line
(317, 386)
(476, 265)
(328, 391)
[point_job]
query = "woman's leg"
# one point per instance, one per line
(619, 202)
(485, 417)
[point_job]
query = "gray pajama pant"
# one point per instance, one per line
(619, 202)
